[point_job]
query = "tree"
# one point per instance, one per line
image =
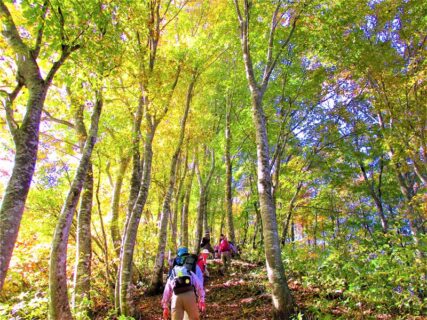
(229, 172)
(283, 305)
(58, 303)
(157, 278)
(26, 136)
(203, 199)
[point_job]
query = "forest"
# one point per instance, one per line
(132, 128)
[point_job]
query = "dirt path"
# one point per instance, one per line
(241, 294)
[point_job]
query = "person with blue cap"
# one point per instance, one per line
(184, 288)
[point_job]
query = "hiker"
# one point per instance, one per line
(225, 252)
(233, 249)
(184, 288)
(203, 263)
(216, 252)
(206, 242)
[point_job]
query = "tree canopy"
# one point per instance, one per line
(296, 128)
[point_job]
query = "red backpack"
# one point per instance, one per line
(224, 246)
(201, 264)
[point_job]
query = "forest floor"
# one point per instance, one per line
(242, 294)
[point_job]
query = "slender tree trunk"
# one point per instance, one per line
(293, 231)
(205, 214)
(135, 181)
(405, 186)
(104, 238)
(200, 213)
(276, 178)
(246, 228)
(376, 196)
(115, 206)
(282, 299)
(229, 175)
(58, 303)
(315, 230)
(179, 197)
(123, 293)
(290, 212)
(283, 304)
(82, 270)
(13, 203)
(26, 137)
(257, 223)
(185, 208)
(157, 276)
(201, 210)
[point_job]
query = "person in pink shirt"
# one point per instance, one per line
(225, 252)
(183, 298)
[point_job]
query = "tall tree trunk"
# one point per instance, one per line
(229, 175)
(104, 238)
(179, 197)
(157, 276)
(115, 205)
(123, 293)
(290, 212)
(205, 214)
(82, 270)
(246, 228)
(25, 137)
(283, 304)
(405, 187)
(58, 297)
(185, 207)
(315, 229)
(376, 195)
(200, 213)
(257, 224)
(135, 181)
(203, 189)
(282, 299)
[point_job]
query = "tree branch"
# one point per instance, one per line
(174, 16)
(36, 50)
(60, 121)
(10, 32)
(10, 97)
(66, 52)
(269, 69)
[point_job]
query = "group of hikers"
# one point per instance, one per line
(184, 288)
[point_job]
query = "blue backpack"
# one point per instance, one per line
(180, 273)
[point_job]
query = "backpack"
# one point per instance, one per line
(202, 265)
(224, 246)
(181, 273)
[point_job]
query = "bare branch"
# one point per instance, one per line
(270, 68)
(174, 16)
(36, 50)
(171, 92)
(271, 39)
(57, 64)
(62, 24)
(239, 13)
(60, 121)
(10, 97)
